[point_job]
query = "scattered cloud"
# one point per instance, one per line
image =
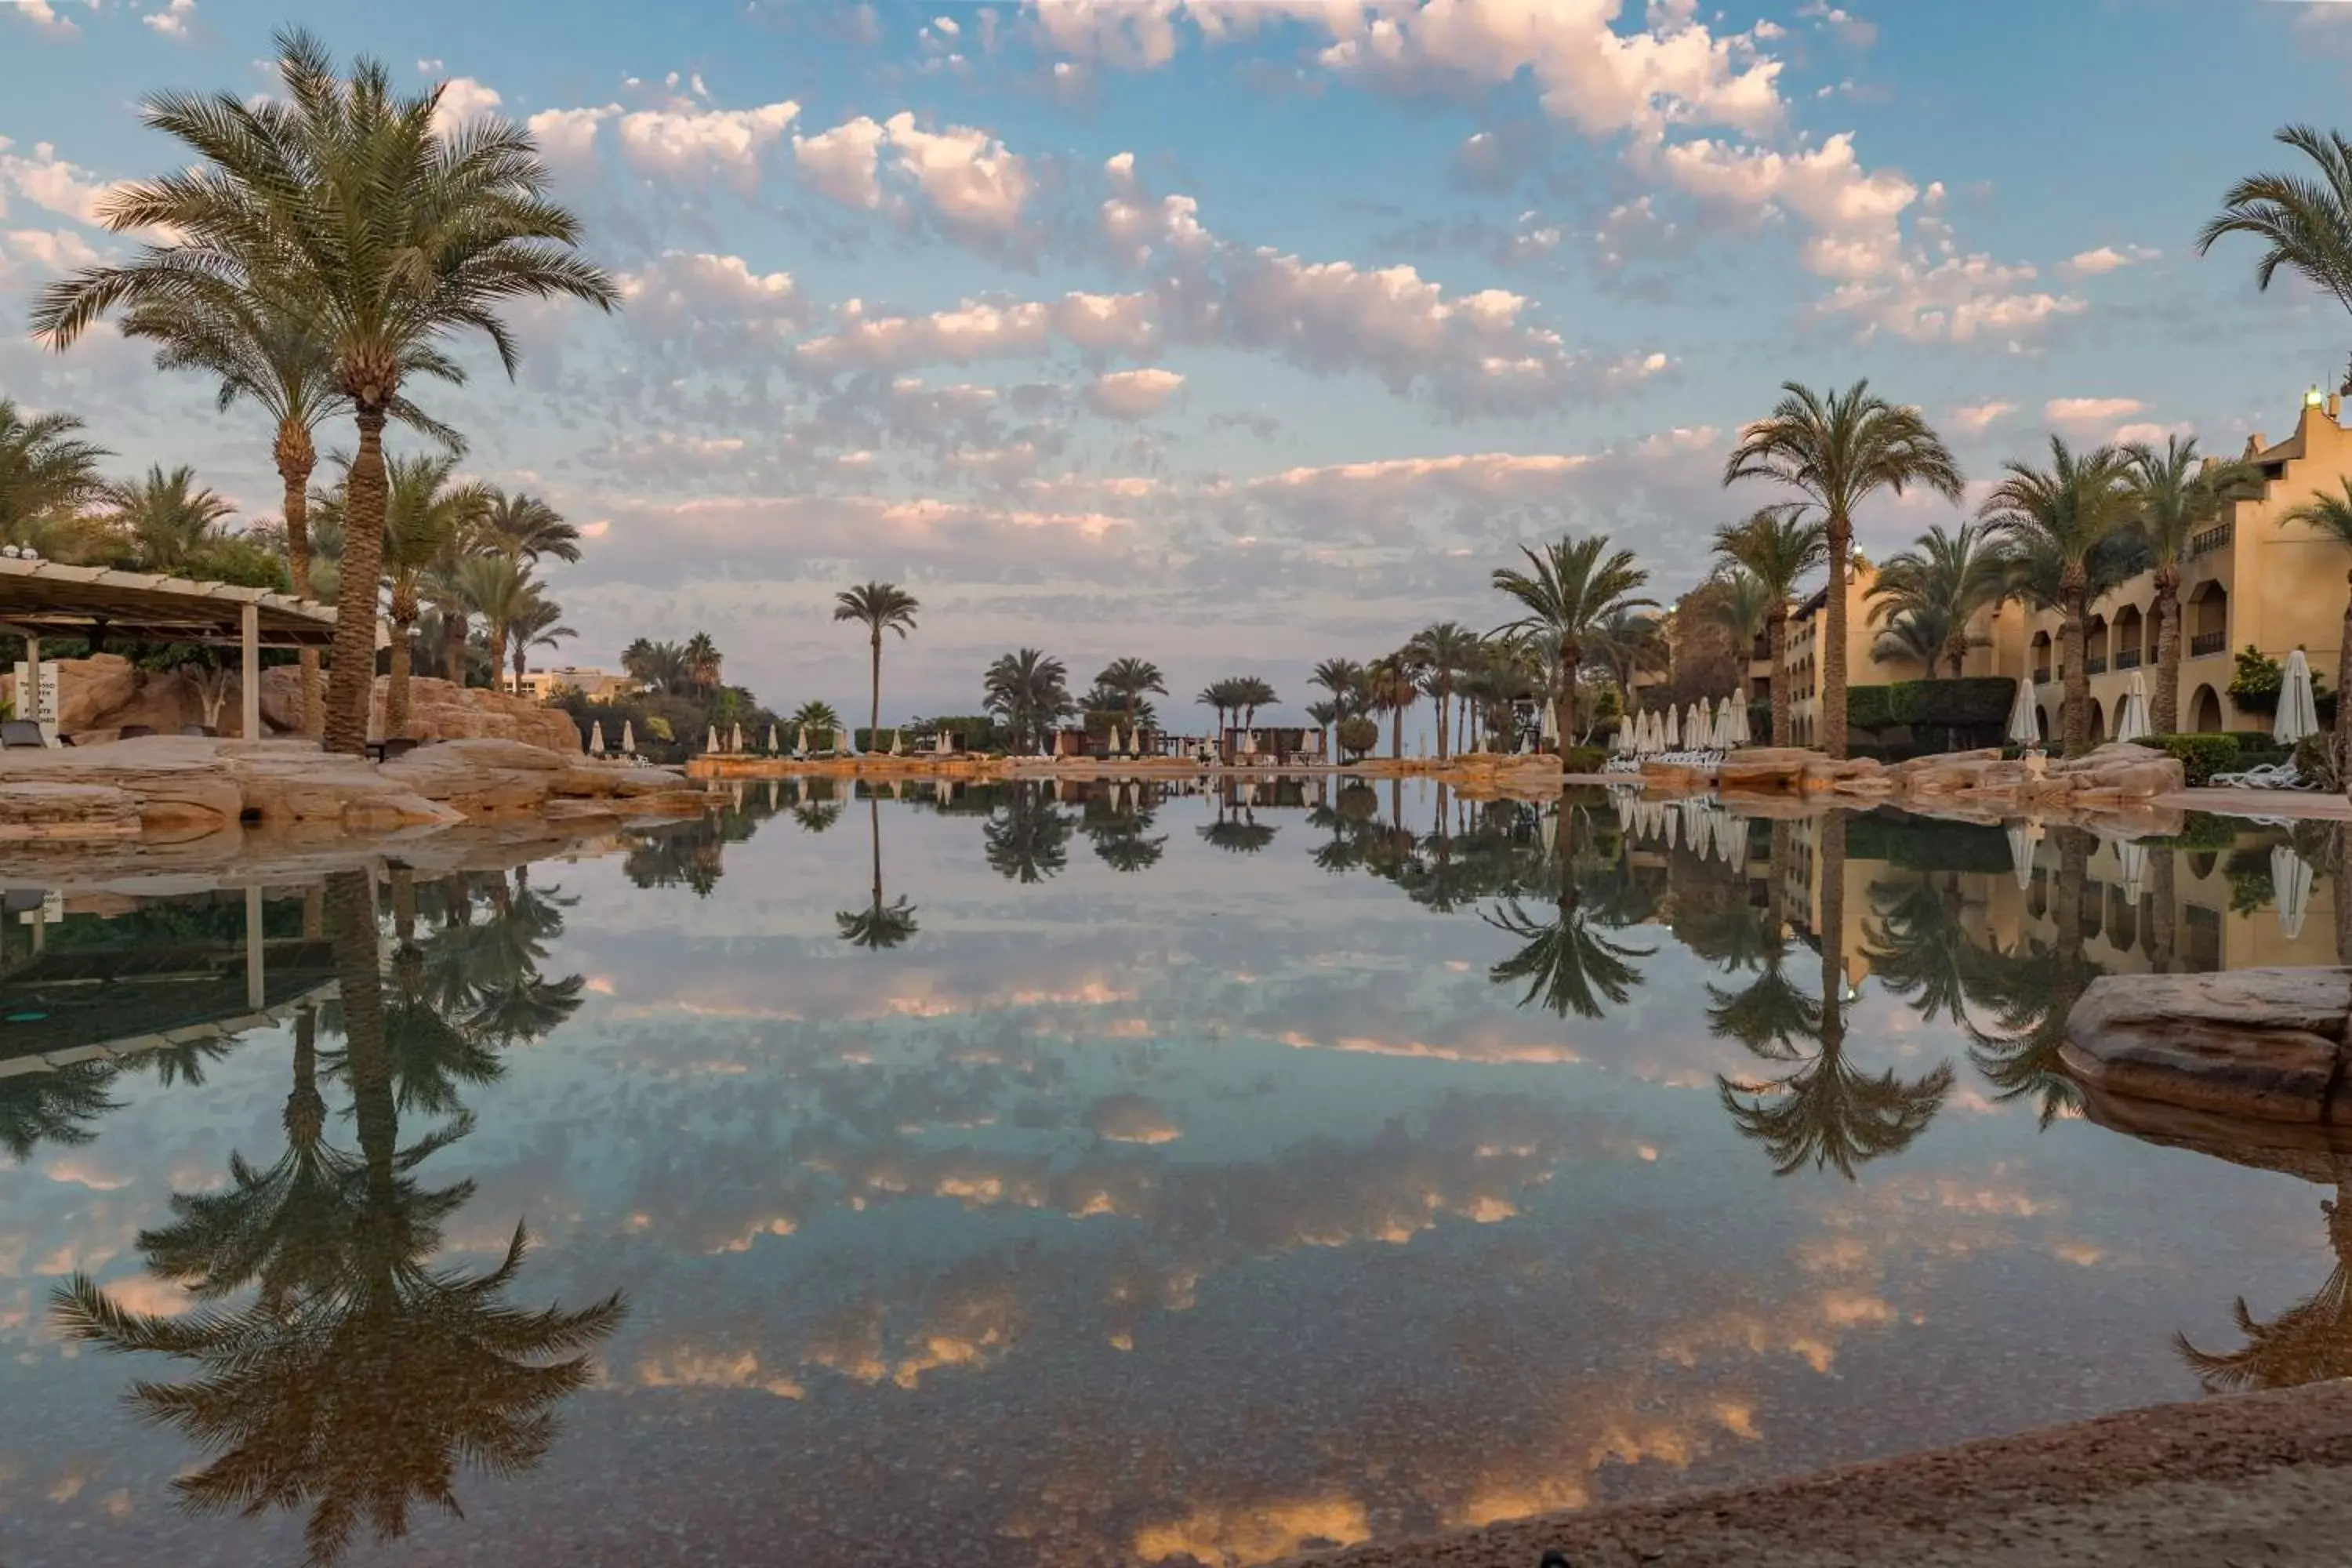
(1132, 394)
(695, 145)
(462, 100)
(45, 19)
(1976, 418)
(2083, 412)
(172, 20)
(2107, 259)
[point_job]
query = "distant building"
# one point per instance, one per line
(596, 685)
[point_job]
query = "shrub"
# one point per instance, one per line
(1357, 736)
(864, 739)
(1940, 704)
(2201, 756)
(1587, 759)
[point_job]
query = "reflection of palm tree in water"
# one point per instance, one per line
(2311, 1342)
(1027, 841)
(2034, 991)
(54, 1106)
(1242, 835)
(1568, 965)
(1120, 833)
(878, 925)
(1827, 1112)
(359, 1377)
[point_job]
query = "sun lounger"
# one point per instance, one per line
(2269, 775)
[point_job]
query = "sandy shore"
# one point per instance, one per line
(2254, 1479)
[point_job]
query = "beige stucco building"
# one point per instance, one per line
(2249, 578)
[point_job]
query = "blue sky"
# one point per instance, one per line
(1237, 333)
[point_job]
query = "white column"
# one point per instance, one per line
(30, 700)
(249, 687)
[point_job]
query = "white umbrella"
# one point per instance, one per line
(1674, 735)
(2024, 720)
(1739, 735)
(939, 743)
(1111, 745)
(596, 739)
(710, 741)
(628, 737)
(1695, 733)
(897, 743)
(800, 741)
(735, 742)
(1621, 740)
(1551, 725)
(2297, 716)
(2291, 880)
(1249, 744)
(1654, 732)
(773, 749)
(2132, 723)
(2021, 852)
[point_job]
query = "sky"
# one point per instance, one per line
(1237, 335)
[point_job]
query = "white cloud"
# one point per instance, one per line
(45, 19)
(1846, 25)
(29, 255)
(172, 20)
(1955, 299)
(2082, 412)
(1976, 418)
(462, 100)
(965, 174)
(840, 163)
(1095, 324)
(567, 137)
(698, 144)
(701, 293)
(1138, 226)
(49, 181)
(2149, 433)
(2107, 259)
(1133, 394)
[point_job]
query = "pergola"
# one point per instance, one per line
(49, 598)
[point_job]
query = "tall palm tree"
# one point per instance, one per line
(2307, 222)
(46, 472)
(1741, 603)
(704, 661)
(2174, 493)
(1570, 591)
(257, 349)
(1837, 451)
(167, 520)
(1780, 548)
(427, 515)
(1130, 679)
(1250, 694)
(1392, 687)
(524, 526)
(880, 608)
(1443, 650)
(499, 588)
(458, 226)
(1343, 679)
(1941, 581)
(1325, 713)
(1214, 697)
(2330, 516)
(2062, 517)
(1626, 644)
(1029, 690)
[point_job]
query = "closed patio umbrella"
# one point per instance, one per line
(2025, 719)
(735, 738)
(773, 749)
(1695, 733)
(1111, 744)
(939, 743)
(1674, 735)
(1739, 735)
(1550, 718)
(800, 741)
(628, 738)
(2291, 881)
(897, 743)
(596, 739)
(2132, 723)
(2297, 716)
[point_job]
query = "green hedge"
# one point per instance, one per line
(1587, 759)
(1976, 699)
(2201, 756)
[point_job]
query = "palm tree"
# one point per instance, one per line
(1250, 694)
(1741, 603)
(1837, 451)
(457, 225)
(1571, 591)
(1939, 584)
(703, 661)
(818, 715)
(538, 623)
(256, 349)
(1028, 841)
(2310, 1341)
(878, 925)
(1214, 696)
(499, 588)
(1344, 679)
(1029, 691)
(1443, 650)
(880, 607)
(524, 526)
(46, 472)
(426, 518)
(2174, 494)
(1325, 713)
(2059, 519)
(1128, 679)
(167, 520)
(54, 1106)
(1626, 644)
(2307, 222)
(1391, 688)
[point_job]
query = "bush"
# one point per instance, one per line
(1587, 759)
(2201, 756)
(864, 739)
(1358, 736)
(1940, 704)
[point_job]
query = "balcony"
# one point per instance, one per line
(2127, 659)
(2203, 643)
(2042, 676)
(2096, 664)
(2211, 539)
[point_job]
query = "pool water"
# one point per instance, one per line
(1116, 1178)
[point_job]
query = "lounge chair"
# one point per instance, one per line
(132, 732)
(385, 750)
(2269, 775)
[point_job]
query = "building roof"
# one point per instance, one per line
(49, 598)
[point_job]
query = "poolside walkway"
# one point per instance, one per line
(2251, 1479)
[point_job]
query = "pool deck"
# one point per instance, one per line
(2249, 1479)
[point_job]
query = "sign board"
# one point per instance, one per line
(40, 705)
(52, 909)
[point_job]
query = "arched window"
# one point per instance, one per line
(2208, 614)
(2205, 711)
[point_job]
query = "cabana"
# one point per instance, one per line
(50, 599)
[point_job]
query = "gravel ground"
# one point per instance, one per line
(2263, 1478)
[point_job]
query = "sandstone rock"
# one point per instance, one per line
(2260, 1043)
(439, 711)
(46, 809)
(1764, 769)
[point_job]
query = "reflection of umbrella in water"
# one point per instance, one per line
(2131, 860)
(1735, 844)
(2291, 879)
(2022, 836)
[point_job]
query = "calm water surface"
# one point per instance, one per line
(1007, 1180)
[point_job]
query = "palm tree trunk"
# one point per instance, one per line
(1830, 859)
(874, 713)
(296, 460)
(352, 680)
(396, 697)
(1833, 656)
(2077, 723)
(1396, 733)
(1779, 644)
(1571, 655)
(453, 646)
(2163, 709)
(350, 923)
(2340, 889)
(1776, 890)
(2343, 674)
(874, 837)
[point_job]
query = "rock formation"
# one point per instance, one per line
(2266, 1044)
